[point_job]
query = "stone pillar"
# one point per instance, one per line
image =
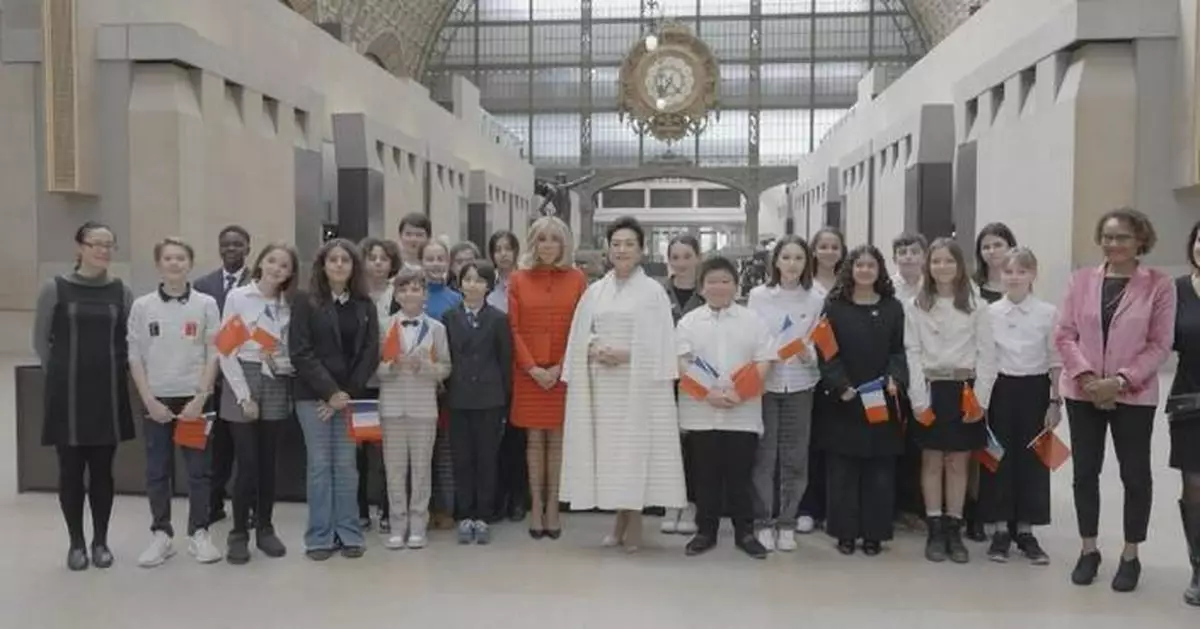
(587, 213)
(751, 228)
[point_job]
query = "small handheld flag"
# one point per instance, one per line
(362, 421)
(874, 400)
(1051, 450)
(990, 456)
(392, 347)
(193, 432)
(748, 382)
(926, 417)
(822, 336)
(971, 409)
(791, 341)
(699, 378)
(267, 341)
(232, 335)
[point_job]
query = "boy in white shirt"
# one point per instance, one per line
(173, 363)
(736, 347)
(908, 254)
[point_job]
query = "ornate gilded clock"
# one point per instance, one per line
(668, 84)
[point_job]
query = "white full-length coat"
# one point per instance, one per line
(621, 446)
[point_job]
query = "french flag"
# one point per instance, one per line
(362, 419)
(991, 456)
(874, 399)
(699, 378)
(791, 341)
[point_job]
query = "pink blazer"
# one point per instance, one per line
(1139, 337)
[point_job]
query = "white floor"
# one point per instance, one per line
(517, 582)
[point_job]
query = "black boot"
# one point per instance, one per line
(935, 544)
(973, 525)
(1191, 529)
(954, 541)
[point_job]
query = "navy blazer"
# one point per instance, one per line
(213, 285)
(481, 355)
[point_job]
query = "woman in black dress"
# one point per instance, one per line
(1185, 424)
(863, 437)
(79, 334)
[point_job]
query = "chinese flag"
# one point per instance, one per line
(925, 417)
(748, 382)
(822, 336)
(391, 345)
(971, 410)
(232, 335)
(265, 340)
(192, 433)
(1051, 450)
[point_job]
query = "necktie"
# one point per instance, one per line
(230, 280)
(471, 320)
(410, 322)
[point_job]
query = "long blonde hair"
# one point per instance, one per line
(555, 228)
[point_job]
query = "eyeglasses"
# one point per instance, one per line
(107, 246)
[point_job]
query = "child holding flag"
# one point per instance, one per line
(1024, 407)
(725, 351)
(863, 368)
(791, 310)
(415, 359)
(952, 367)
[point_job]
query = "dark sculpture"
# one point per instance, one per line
(558, 194)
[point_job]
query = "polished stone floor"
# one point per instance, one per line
(523, 584)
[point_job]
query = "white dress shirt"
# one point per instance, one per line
(1024, 334)
(727, 339)
(256, 310)
(774, 304)
(905, 291)
(498, 297)
(945, 338)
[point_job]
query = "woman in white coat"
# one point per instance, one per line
(621, 443)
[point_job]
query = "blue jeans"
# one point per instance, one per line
(160, 474)
(332, 481)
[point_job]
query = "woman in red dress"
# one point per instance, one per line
(542, 296)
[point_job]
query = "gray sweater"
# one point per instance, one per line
(48, 299)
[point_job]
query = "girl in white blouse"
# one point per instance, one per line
(790, 308)
(1024, 404)
(951, 357)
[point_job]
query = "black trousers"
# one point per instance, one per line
(512, 486)
(862, 497)
(1131, 428)
(372, 481)
(160, 474)
(255, 445)
(475, 437)
(723, 471)
(96, 462)
(908, 467)
(1019, 490)
(221, 454)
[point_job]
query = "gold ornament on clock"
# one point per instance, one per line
(668, 84)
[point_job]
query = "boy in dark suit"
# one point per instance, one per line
(478, 389)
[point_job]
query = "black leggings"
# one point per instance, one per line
(254, 446)
(97, 463)
(1131, 428)
(1191, 487)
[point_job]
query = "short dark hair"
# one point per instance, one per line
(417, 220)
(716, 264)
(237, 229)
(843, 288)
(494, 241)
(390, 249)
(626, 222)
(908, 239)
(1001, 231)
(686, 240)
(805, 275)
(408, 276)
(172, 241)
(461, 246)
(1137, 222)
(319, 291)
(483, 269)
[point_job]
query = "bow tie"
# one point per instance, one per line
(410, 322)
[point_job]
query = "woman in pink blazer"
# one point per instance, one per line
(1115, 331)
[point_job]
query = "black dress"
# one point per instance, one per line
(1185, 430)
(87, 385)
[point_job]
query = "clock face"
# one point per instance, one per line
(670, 82)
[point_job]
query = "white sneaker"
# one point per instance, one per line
(670, 522)
(787, 540)
(395, 542)
(687, 521)
(805, 525)
(416, 541)
(201, 547)
(159, 551)
(766, 537)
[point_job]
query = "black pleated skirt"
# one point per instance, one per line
(949, 433)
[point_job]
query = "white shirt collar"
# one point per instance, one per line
(341, 298)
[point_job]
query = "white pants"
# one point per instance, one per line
(408, 455)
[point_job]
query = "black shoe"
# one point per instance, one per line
(537, 533)
(77, 560)
(1191, 529)
(553, 533)
(237, 548)
(269, 543)
(971, 524)
(846, 546)
(700, 544)
(385, 524)
(975, 532)
(1029, 546)
(364, 523)
(102, 557)
(517, 514)
(319, 554)
(954, 541)
(935, 543)
(750, 545)
(1086, 568)
(216, 515)
(353, 552)
(998, 551)
(871, 548)
(1128, 573)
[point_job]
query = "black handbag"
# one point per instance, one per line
(1185, 406)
